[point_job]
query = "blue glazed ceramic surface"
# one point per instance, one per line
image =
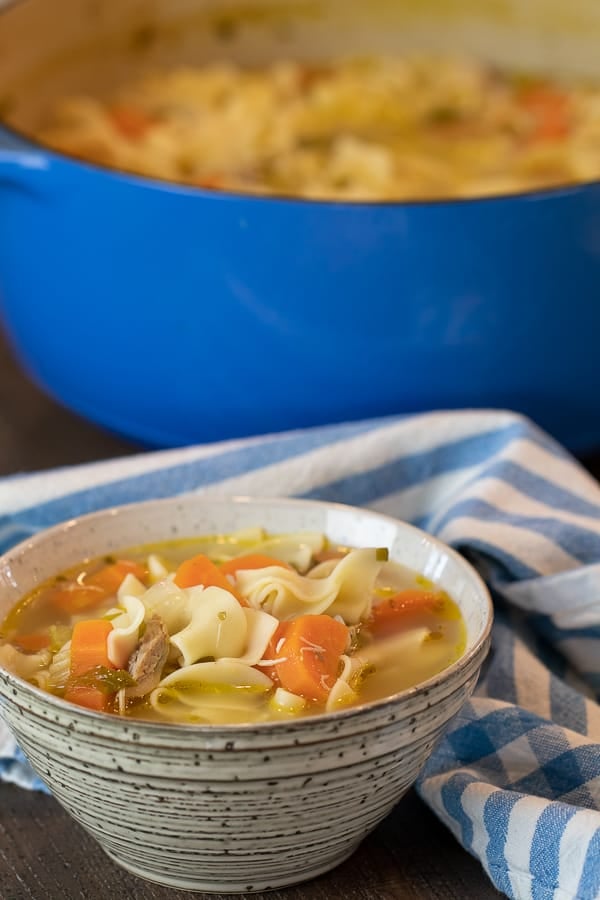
(176, 315)
(173, 314)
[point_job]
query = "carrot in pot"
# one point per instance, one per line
(310, 656)
(210, 181)
(131, 122)
(200, 570)
(550, 110)
(89, 651)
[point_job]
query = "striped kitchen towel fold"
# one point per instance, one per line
(517, 776)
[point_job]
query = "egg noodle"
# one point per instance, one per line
(360, 129)
(255, 627)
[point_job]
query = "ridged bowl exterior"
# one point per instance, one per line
(251, 810)
(237, 808)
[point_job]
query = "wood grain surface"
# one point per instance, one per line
(44, 855)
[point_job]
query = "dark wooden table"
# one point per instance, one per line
(44, 855)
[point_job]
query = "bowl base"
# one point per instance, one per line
(250, 886)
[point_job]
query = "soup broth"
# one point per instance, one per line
(238, 628)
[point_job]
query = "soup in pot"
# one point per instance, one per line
(378, 128)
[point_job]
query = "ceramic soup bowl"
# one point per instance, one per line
(236, 808)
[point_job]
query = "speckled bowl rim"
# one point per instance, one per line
(479, 649)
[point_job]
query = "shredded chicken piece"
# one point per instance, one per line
(148, 659)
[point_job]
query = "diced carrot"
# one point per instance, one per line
(111, 576)
(89, 646)
(394, 613)
(74, 598)
(200, 570)
(77, 596)
(251, 561)
(131, 122)
(32, 643)
(550, 110)
(88, 696)
(310, 656)
(210, 181)
(309, 75)
(89, 650)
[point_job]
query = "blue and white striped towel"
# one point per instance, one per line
(517, 776)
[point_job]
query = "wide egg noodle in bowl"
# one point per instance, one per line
(254, 627)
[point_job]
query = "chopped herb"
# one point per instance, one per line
(186, 166)
(222, 615)
(524, 81)
(382, 554)
(444, 115)
(143, 37)
(354, 637)
(362, 673)
(433, 636)
(225, 29)
(342, 181)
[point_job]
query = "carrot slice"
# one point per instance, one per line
(210, 181)
(131, 122)
(395, 613)
(89, 646)
(111, 576)
(550, 110)
(251, 561)
(200, 570)
(88, 696)
(78, 596)
(89, 650)
(73, 598)
(310, 656)
(32, 643)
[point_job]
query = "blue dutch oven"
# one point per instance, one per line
(174, 314)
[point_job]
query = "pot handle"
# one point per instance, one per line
(20, 163)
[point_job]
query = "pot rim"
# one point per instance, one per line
(166, 185)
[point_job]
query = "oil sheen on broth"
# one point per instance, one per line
(237, 628)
